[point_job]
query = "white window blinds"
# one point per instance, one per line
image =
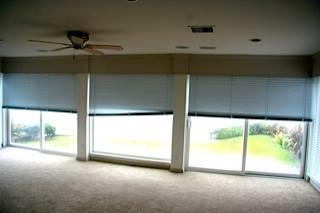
(40, 91)
(130, 94)
(269, 98)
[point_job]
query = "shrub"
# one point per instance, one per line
(295, 137)
(259, 129)
(282, 140)
(24, 133)
(225, 133)
(276, 129)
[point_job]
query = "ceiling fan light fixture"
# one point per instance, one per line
(77, 38)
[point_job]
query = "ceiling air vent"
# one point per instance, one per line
(207, 47)
(202, 28)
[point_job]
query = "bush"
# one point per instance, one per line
(24, 133)
(295, 137)
(225, 133)
(259, 129)
(275, 129)
(282, 140)
(291, 141)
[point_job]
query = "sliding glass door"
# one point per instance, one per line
(43, 130)
(247, 146)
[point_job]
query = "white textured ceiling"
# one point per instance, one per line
(287, 27)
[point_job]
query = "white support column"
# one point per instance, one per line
(245, 145)
(83, 81)
(1, 111)
(180, 120)
(42, 131)
(4, 127)
(8, 128)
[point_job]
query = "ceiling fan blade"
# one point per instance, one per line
(92, 51)
(54, 50)
(48, 42)
(105, 46)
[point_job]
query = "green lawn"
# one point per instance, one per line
(258, 146)
(61, 141)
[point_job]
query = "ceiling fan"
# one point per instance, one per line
(78, 41)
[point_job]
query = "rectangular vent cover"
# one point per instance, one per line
(202, 29)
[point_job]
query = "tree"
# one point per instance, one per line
(50, 131)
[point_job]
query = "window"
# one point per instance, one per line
(60, 131)
(147, 136)
(216, 143)
(25, 128)
(275, 147)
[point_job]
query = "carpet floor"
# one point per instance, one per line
(35, 182)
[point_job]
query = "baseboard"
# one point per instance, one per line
(82, 158)
(175, 170)
(130, 161)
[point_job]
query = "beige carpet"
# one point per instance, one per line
(34, 182)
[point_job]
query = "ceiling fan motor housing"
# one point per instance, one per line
(77, 38)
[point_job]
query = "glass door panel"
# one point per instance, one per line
(25, 128)
(60, 132)
(275, 147)
(216, 143)
(145, 136)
